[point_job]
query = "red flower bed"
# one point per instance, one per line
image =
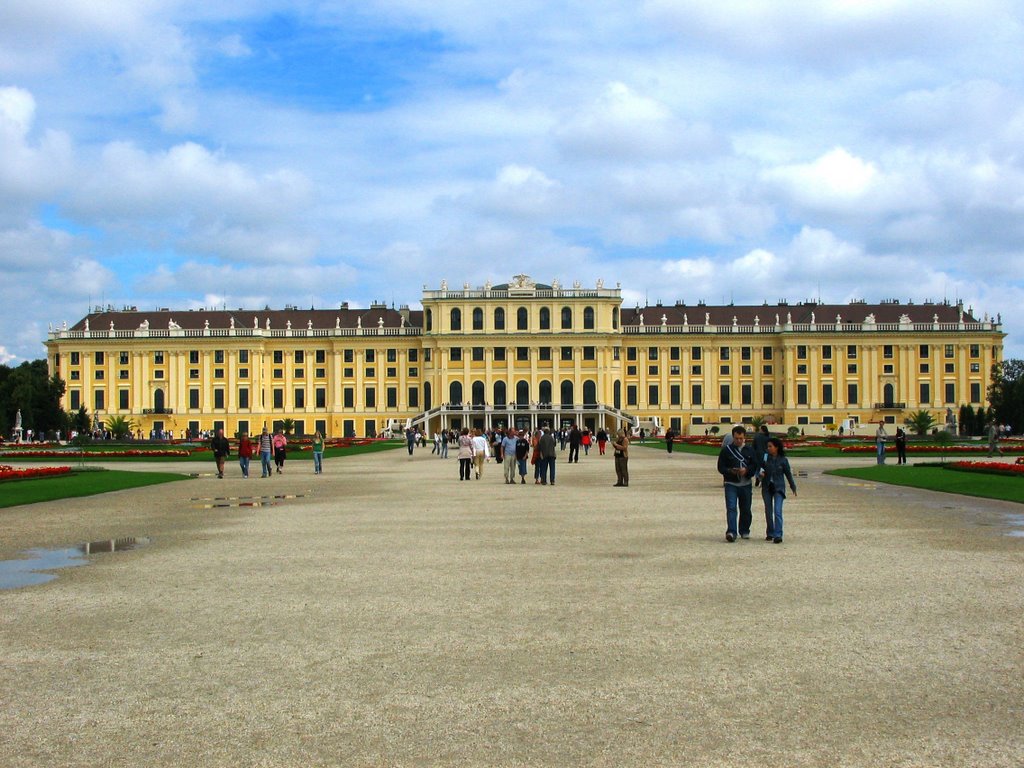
(940, 449)
(91, 454)
(990, 467)
(7, 472)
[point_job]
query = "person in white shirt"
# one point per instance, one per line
(481, 452)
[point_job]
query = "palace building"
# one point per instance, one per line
(524, 354)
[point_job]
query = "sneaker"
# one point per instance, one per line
(745, 536)
(777, 539)
(730, 537)
(769, 538)
(523, 481)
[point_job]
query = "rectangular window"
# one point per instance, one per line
(695, 370)
(652, 395)
(723, 370)
(76, 398)
(349, 397)
(426, 356)
(455, 354)
(218, 398)
(499, 354)
(371, 355)
(218, 356)
(243, 356)
(413, 356)
(851, 351)
(348, 373)
(673, 353)
(299, 373)
(851, 368)
(158, 374)
(522, 354)
(279, 373)
(675, 394)
(766, 353)
(320, 373)
(122, 399)
(924, 367)
(300, 398)
(76, 358)
(544, 353)
(887, 352)
(123, 358)
(652, 370)
(802, 369)
(631, 395)
(696, 394)
(745, 370)
(923, 350)
(392, 397)
(695, 353)
(826, 370)
(631, 353)
(97, 358)
(193, 398)
(478, 354)
(392, 355)
(887, 369)
(975, 350)
(414, 397)
(925, 394)
(218, 373)
(767, 394)
(744, 353)
(975, 392)
(371, 398)
(193, 373)
(826, 394)
(99, 375)
(746, 394)
(975, 367)
(123, 374)
(950, 393)
(321, 356)
(652, 353)
(631, 370)
(950, 367)
(348, 356)
(801, 352)
(243, 397)
(766, 370)
(724, 395)
(948, 351)
(826, 352)
(278, 357)
(321, 397)
(723, 353)
(299, 356)
(673, 370)
(99, 400)
(279, 398)
(801, 394)
(590, 353)
(851, 394)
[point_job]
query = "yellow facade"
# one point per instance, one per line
(524, 354)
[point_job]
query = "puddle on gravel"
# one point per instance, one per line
(1016, 524)
(222, 502)
(31, 570)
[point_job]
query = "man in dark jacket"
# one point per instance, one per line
(575, 438)
(738, 466)
(547, 450)
(221, 449)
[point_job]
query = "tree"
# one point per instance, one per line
(921, 421)
(757, 422)
(79, 421)
(30, 389)
(287, 425)
(1006, 393)
(120, 426)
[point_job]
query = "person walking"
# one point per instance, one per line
(266, 448)
(993, 439)
(774, 474)
(318, 453)
(670, 436)
(880, 437)
(221, 450)
(575, 438)
(410, 439)
(481, 452)
(586, 440)
(465, 454)
(602, 439)
(280, 450)
(508, 455)
(620, 449)
(737, 466)
(761, 442)
(244, 453)
(535, 460)
(548, 452)
(522, 454)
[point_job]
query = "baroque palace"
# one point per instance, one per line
(525, 354)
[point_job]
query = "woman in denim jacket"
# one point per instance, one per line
(774, 474)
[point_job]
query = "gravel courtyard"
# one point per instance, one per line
(389, 615)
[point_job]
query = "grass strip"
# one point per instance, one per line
(207, 456)
(88, 483)
(941, 479)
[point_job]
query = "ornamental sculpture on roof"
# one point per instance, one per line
(521, 281)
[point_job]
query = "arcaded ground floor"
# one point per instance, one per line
(389, 615)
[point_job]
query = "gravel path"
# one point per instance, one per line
(389, 615)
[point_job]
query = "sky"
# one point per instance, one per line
(245, 153)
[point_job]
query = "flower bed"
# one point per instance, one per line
(7, 472)
(933, 449)
(990, 467)
(77, 452)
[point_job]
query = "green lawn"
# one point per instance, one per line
(938, 479)
(87, 483)
(293, 454)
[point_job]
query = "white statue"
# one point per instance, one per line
(111, 325)
(641, 318)
(707, 318)
(600, 283)
(359, 322)
(231, 324)
(206, 325)
(288, 325)
(664, 320)
(86, 325)
(444, 285)
(337, 323)
(268, 323)
(144, 325)
(309, 325)
(255, 323)
(380, 322)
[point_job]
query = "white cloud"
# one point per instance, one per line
(6, 357)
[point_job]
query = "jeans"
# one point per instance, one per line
(265, 460)
(318, 462)
(522, 466)
(772, 513)
(881, 453)
(547, 470)
(243, 462)
(741, 496)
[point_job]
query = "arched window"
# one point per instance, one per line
(588, 319)
(500, 394)
(545, 319)
(617, 395)
(158, 401)
(615, 319)
(566, 318)
(430, 320)
(522, 392)
(456, 319)
(590, 392)
(545, 392)
(522, 319)
(499, 319)
(478, 319)
(567, 393)
(455, 392)
(888, 394)
(427, 405)
(478, 393)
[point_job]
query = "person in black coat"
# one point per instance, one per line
(220, 447)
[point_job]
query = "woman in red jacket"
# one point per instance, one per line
(244, 453)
